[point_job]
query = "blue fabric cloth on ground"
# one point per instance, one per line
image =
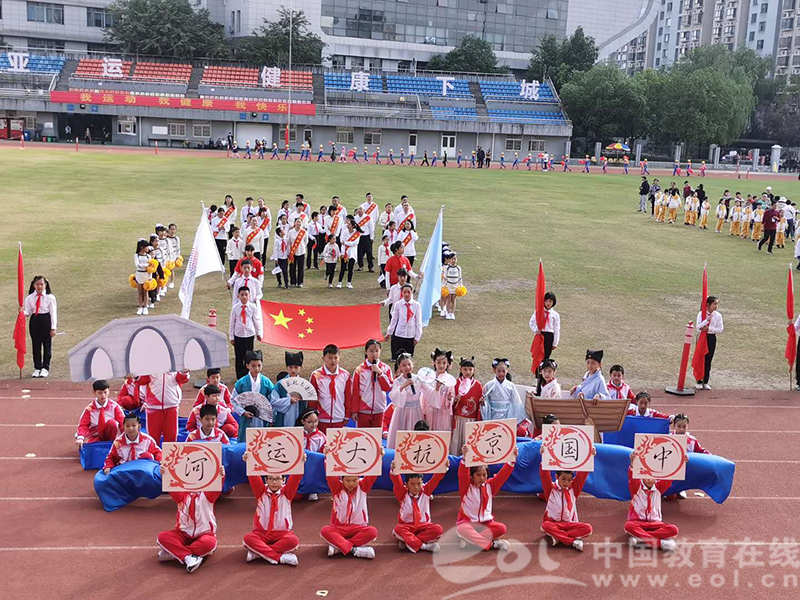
(94, 455)
(633, 425)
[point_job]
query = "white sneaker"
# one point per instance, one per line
(158, 298)
(171, 285)
(668, 545)
(332, 550)
(139, 310)
(151, 305)
(431, 547)
(251, 556)
(36, 373)
(364, 552)
(288, 559)
(634, 541)
(193, 562)
(706, 386)
(442, 312)
(339, 285)
(578, 545)
(145, 311)
(330, 286)
(698, 386)
(313, 497)
(501, 545)
(299, 285)
(349, 286)
(437, 307)
(682, 495)
(451, 317)
(164, 556)
(44, 373)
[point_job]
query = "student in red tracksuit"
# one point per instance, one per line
(349, 531)
(213, 377)
(195, 533)
(131, 445)
(162, 402)
(617, 388)
(644, 524)
(476, 489)
(641, 408)
(560, 519)
(333, 391)
(101, 420)
(372, 379)
(207, 430)
(225, 420)
(272, 538)
(414, 528)
(131, 395)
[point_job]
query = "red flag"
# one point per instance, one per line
(791, 340)
(314, 327)
(19, 326)
(537, 346)
(701, 346)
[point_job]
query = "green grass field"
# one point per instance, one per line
(624, 283)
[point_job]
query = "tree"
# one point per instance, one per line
(559, 61)
(604, 102)
(471, 55)
(779, 118)
(270, 43)
(167, 28)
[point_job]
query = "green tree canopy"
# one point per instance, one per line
(560, 60)
(269, 45)
(471, 55)
(167, 28)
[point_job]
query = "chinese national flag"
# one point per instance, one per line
(701, 346)
(19, 327)
(537, 347)
(314, 327)
(791, 340)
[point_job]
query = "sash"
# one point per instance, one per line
(407, 239)
(252, 235)
(225, 218)
(335, 221)
(370, 208)
(354, 237)
(296, 244)
(407, 217)
(264, 224)
(364, 221)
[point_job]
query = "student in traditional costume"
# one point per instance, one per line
(549, 386)
(501, 397)
(253, 381)
(406, 396)
(466, 404)
(437, 398)
(593, 386)
(288, 407)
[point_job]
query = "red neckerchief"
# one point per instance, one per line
(38, 302)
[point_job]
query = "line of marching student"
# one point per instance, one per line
(362, 397)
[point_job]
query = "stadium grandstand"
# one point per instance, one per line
(141, 101)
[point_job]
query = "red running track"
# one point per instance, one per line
(57, 541)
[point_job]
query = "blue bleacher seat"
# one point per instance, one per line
(510, 90)
(454, 113)
(341, 82)
(37, 63)
(426, 86)
(527, 116)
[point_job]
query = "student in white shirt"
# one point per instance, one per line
(552, 329)
(315, 245)
(349, 238)
(367, 226)
(264, 221)
(331, 255)
(383, 257)
(218, 228)
(246, 279)
(234, 249)
(280, 254)
(40, 306)
(712, 325)
(409, 238)
(248, 211)
(297, 241)
(174, 243)
(299, 212)
(255, 236)
(396, 291)
(386, 216)
(245, 325)
(404, 212)
(406, 324)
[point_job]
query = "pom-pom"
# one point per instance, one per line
(162, 282)
(152, 266)
(445, 292)
(132, 280)
(179, 262)
(461, 291)
(170, 265)
(149, 285)
(167, 273)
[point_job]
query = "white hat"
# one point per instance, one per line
(769, 188)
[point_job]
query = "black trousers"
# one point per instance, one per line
(411, 259)
(768, 236)
(42, 344)
(330, 271)
(400, 345)
(283, 263)
(240, 347)
(296, 272)
(712, 347)
(548, 343)
(312, 254)
(264, 250)
(347, 265)
(221, 249)
(232, 266)
(365, 249)
(385, 277)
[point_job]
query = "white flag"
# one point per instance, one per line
(203, 259)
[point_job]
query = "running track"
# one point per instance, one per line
(57, 542)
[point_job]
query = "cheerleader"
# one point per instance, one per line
(704, 208)
(405, 396)
(408, 237)
(40, 306)
(162, 256)
(720, 214)
(452, 280)
(502, 396)
(781, 228)
(736, 218)
(466, 404)
(437, 399)
(672, 206)
(747, 217)
(758, 223)
(174, 243)
(141, 262)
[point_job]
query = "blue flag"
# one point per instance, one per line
(431, 289)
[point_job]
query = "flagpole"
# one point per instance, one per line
(791, 381)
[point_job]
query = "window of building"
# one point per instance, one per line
(762, 26)
(372, 136)
(796, 59)
(718, 14)
(785, 42)
(760, 45)
(764, 9)
(201, 129)
(513, 144)
(238, 21)
(753, 17)
(126, 125)
(687, 20)
(44, 12)
(232, 26)
(29, 119)
(687, 4)
(660, 31)
(658, 47)
(666, 38)
(658, 62)
(669, 6)
(728, 30)
(98, 17)
(787, 23)
(344, 136)
(661, 16)
(552, 14)
(751, 36)
(797, 41)
(292, 133)
(788, 4)
(669, 22)
(695, 35)
(783, 61)
(42, 44)
(535, 145)
(177, 129)
(731, 13)
(101, 48)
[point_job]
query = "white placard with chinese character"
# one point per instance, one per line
(192, 467)
(659, 456)
(274, 450)
(568, 448)
(422, 452)
(354, 451)
(490, 442)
